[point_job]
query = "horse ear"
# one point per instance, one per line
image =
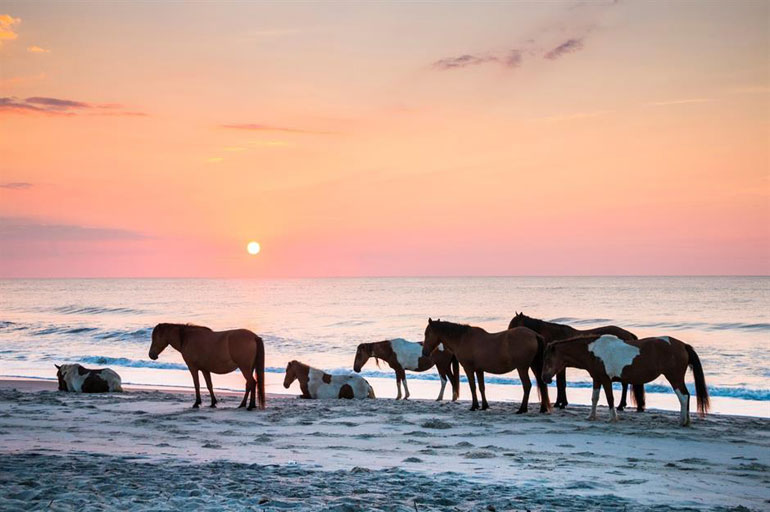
(57, 366)
(430, 320)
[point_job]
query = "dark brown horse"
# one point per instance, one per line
(407, 355)
(608, 358)
(554, 332)
(215, 352)
(479, 351)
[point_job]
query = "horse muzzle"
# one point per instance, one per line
(425, 352)
(153, 356)
(547, 379)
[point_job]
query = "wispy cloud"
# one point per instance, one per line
(37, 49)
(679, 102)
(512, 59)
(568, 46)
(255, 127)
(7, 28)
(58, 106)
(16, 185)
(16, 228)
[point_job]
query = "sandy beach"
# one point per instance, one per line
(147, 449)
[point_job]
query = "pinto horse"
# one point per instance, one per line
(479, 351)
(554, 332)
(407, 355)
(316, 383)
(608, 358)
(218, 352)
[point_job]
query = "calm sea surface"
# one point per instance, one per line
(104, 322)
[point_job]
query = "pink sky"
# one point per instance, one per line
(158, 139)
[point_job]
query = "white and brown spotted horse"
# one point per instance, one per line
(316, 383)
(552, 331)
(407, 355)
(608, 358)
(77, 379)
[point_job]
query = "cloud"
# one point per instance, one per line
(58, 106)
(271, 128)
(37, 49)
(16, 185)
(510, 60)
(679, 102)
(22, 229)
(568, 46)
(7, 30)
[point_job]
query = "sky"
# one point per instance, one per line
(156, 139)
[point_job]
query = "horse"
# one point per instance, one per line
(555, 332)
(76, 378)
(407, 355)
(218, 352)
(479, 351)
(316, 383)
(609, 358)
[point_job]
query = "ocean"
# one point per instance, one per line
(108, 322)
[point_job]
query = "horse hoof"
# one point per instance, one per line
(484, 407)
(251, 408)
(213, 406)
(196, 406)
(474, 407)
(591, 418)
(640, 409)
(621, 407)
(521, 411)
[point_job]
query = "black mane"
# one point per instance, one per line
(449, 329)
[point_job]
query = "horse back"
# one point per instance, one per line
(612, 330)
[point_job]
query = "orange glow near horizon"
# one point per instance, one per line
(486, 139)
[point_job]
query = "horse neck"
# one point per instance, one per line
(381, 350)
(451, 341)
(574, 353)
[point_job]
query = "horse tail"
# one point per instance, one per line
(638, 396)
(259, 370)
(700, 382)
(537, 367)
(371, 392)
(454, 375)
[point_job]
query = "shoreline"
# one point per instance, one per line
(376, 454)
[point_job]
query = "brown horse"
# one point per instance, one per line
(407, 355)
(215, 352)
(554, 332)
(479, 351)
(608, 358)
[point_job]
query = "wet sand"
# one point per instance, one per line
(147, 449)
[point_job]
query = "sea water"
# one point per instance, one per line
(108, 322)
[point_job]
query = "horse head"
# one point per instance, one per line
(553, 362)
(291, 374)
(164, 335)
(432, 339)
(363, 353)
(518, 320)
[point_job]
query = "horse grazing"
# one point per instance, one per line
(75, 378)
(608, 358)
(555, 332)
(319, 384)
(407, 355)
(218, 352)
(479, 351)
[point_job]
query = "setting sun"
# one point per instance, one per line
(253, 248)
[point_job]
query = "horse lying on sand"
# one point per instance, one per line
(75, 378)
(316, 383)
(220, 352)
(608, 358)
(479, 351)
(407, 355)
(555, 332)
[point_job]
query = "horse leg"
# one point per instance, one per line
(683, 394)
(561, 389)
(207, 376)
(526, 383)
(197, 384)
(480, 377)
(472, 384)
(622, 404)
(406, 388)
(443, 385)
(607, 384)
(594, 400)
(398, 385)
(245, 396)
(251, 388)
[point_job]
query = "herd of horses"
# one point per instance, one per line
(609, 354)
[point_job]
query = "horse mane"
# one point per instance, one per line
(186, 327)
(575, 339)
(536, 323)
(444, 328)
